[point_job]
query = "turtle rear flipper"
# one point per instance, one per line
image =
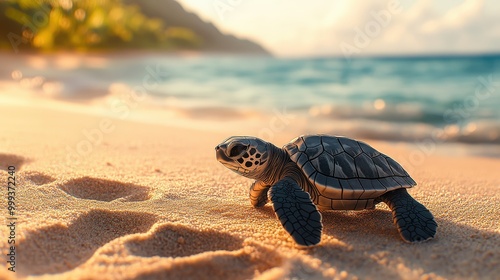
(296, 212)
(415, 222)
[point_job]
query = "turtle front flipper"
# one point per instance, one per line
(296, 212)
(415, 222)
(258, 194)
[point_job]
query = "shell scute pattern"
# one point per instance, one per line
(389, 183)
(396, 168)
(320, 182)
(314, 152)
(347, 191)
(324, 164)
(346, 169)
(292, 149)
(312, 141)
(332, 148)
(308, 169)
(337, 204)
(378, 186)
(368, 150)
(360, 204)
(382, 166)
(349, 204)
(347, 174)
(335, 192)
(344, 166)
(302, 146)
(313, 177)
(350, 146)
(302, 160)
(373, 188)
(324, 202)
(370, 189)
(410, 181)
(400, 180)
(357, 187)
(365, 167)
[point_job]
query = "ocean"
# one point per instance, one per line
(450, 99)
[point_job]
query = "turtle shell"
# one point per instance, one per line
(347, 174)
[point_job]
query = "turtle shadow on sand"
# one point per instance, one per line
(267, 210)
(58, 248)
(369, 240)
(372, 242)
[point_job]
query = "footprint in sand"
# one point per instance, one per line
(104, 190)
(7, 160)
(39, 178)
(172, 240)
(200, 254)
(58, 248)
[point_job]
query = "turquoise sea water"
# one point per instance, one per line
(455, 99)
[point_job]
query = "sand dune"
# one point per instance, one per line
(151, 202)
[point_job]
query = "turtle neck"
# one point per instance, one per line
(280, 166)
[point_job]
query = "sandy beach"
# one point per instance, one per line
(105, 198)
(114, 117)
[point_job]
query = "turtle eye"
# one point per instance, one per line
(237, 150)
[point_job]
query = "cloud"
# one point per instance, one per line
(457, 17)
(422, 27)
(462, 28)
(318, 27)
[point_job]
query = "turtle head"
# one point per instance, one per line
(244, 155)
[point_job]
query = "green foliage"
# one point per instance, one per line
(85, 25)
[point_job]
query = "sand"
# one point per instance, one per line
(150, 201)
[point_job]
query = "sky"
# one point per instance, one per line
(295, 28)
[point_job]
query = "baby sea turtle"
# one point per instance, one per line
(329, 173)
